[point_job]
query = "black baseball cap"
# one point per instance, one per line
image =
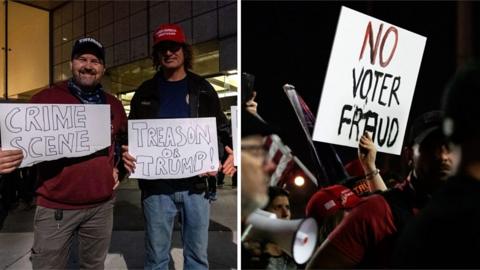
(88, 45)
(424, 125)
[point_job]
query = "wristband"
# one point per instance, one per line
(372, 173)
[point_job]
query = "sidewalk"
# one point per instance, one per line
(126, 248)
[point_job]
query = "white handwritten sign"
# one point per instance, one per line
(52, 131)
(370, 82)
(173, 148)
(234, 111)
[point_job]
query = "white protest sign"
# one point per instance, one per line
(370, 82)
(234, 111)
(52, 131)
(173, 148)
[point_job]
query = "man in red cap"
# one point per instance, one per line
(366, 236)
(328, 206)
(176, 92)
(327, 201)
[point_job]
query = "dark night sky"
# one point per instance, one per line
(290, 42)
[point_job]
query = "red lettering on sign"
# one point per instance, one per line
(370, 36)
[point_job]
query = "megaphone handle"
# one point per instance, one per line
(246, 232)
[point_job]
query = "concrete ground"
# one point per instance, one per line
(126, 248)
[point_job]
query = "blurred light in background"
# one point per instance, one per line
(299, 181)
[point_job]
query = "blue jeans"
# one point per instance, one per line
(160, 212)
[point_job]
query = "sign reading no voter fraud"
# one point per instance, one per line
(370, 82)
(173, 148)
(52, 131)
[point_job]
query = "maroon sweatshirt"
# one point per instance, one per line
(84, 182)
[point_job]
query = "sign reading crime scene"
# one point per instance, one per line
(52, 131)
(370, 82)
(173, 148)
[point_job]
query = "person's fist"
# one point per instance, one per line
(128, 160)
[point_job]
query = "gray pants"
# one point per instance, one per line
(52, 240)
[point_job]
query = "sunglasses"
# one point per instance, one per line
(171, 46)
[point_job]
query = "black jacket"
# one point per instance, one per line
(204, 102)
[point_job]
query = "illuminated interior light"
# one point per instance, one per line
(299, 181)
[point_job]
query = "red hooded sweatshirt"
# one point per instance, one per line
(84, 182)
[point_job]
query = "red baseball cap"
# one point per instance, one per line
(329, 200)
(168, 32)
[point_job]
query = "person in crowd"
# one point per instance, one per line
(279, 204)
(260, 255)
(255, 166)
(366, 236)
(446, 233)
(9, 161)
(328, 206)
(254, 185)
(256, 171)
(76, 195)
(176, 92)
(331, 204)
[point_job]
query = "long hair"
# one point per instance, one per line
(328, 224)
(187, 53)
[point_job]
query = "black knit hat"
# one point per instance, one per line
(425, 125)
(88, 45)
(248, 81)
(461, 105)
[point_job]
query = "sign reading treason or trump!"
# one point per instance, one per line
(53, 131)
(173, 148)
(370, 82)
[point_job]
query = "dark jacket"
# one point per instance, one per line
(203, 101)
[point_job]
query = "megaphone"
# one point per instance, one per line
(298, 238)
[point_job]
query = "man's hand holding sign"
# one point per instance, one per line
(10, 160)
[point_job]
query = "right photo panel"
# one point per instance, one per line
(359, 144)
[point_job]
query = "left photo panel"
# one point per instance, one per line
(118, 122)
